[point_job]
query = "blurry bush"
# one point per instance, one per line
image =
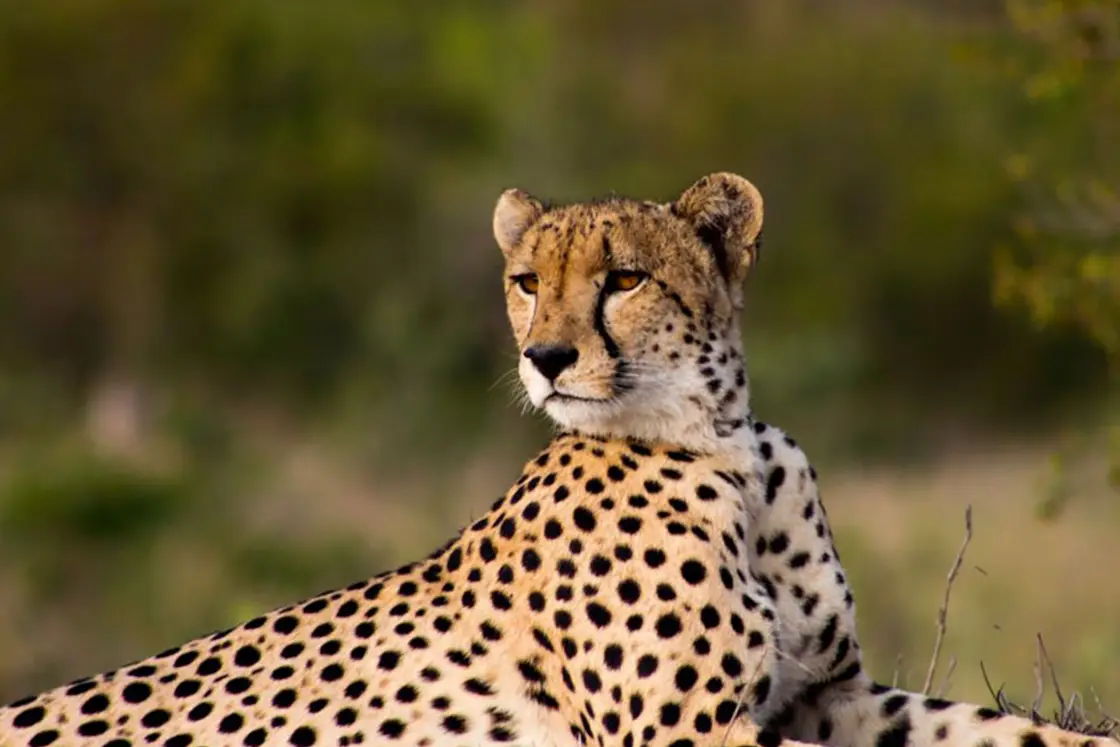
(273, 203)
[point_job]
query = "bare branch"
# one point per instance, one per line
(945, 682)
(943, 611)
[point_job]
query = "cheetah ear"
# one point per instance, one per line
(515, 212)
(725, 210)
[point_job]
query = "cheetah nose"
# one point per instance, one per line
(551, 360)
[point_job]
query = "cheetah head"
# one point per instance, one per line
(626, 312)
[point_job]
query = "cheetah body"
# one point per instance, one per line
(607, 598)
(661, 574)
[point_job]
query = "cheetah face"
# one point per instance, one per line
(626, 312)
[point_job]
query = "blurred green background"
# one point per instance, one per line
(252, 337)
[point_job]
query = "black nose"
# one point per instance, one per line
(550, 360)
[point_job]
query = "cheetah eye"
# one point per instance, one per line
(624, 280)
(528, 282)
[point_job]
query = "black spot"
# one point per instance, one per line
(725, 711)
(1031, 739)
(670, 714)
(988, 714)
(612, 656)
(388, 660)
(392, 728)
(284, 698)
(187, 688)
(529, 671)
(693, 571)
(937, 704)
(542, 639)
(896, 736)
(31, 716)
(599, 615)
(283, 625)
(629, 524)
(530, 560)
(654, 558)
(584, 519)
(893, 705)
(200, 711)
(473, 685)
(316, 605)
(238, 685)
(455, 724)
(827, 635)
(304, 736)
(706, 493)
(209, 666)
(137, 692)
(231, 723)
(668, 625)
(647, 665)
(686, 678)
(779, 543)
(355, 689)
(591, 681)
(95, 704)
(84, 687)
(44, 738)
(774, 482)
(502, 734)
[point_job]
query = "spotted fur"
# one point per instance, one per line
(662, 573)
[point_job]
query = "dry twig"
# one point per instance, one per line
(943, 611)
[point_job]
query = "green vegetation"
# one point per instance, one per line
(246, 277)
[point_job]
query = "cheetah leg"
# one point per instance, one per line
(792, 554)
(830, 699)
(888, 717)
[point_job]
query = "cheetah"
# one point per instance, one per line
(661, 573)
